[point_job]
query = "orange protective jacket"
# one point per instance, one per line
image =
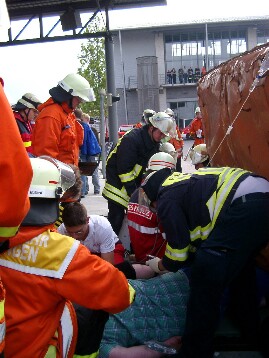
(138, 125)
(177, 142)
(195, 126)
(14, 186)
(44, 270)
(57, 133)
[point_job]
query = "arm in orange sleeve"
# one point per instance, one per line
(193, 128)
(177, 142)
(94, 283)
(46, 136)
(179, 139)
(16, 173)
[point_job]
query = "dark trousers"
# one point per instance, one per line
(115, 216)
(91, 326)
(226, 256)
(178, 165)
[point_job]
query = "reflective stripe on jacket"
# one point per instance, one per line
(194, 203)
(2, 318)
(25, 129)
(44, 274)
(145, 230)
(126, 164)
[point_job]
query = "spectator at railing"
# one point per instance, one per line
(173, 76)
(169, 76)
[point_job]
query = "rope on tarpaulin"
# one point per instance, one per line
(264, 68)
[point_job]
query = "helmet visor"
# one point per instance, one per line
(197, 157)
(67, 177)
(171, 130)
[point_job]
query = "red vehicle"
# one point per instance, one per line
(125, 128)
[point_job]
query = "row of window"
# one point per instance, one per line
(262, 35)
(193, 50)
(214, 48)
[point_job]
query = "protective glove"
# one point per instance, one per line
(199, 133)
(153, 264)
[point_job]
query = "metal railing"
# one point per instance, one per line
(163, 81)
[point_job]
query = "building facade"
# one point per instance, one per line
(158, 67)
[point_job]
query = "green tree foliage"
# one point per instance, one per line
(93, 66)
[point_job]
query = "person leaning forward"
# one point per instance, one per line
(128, 160)
(56, 132)
(219, 217)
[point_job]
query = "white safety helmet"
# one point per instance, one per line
(199, 154)
(168, 148)
(51, 178)
(170, 112)
(197, 109)
(147, 114)
(77, 86)
(28, 100)
(161, 160)
(164, 123)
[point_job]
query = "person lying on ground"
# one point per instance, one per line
(158, 313)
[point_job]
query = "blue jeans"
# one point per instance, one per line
(95, 181)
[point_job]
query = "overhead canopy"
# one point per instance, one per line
(67, 10)
(23, 8)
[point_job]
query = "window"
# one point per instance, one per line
(262, 36)
(188, 48)
(237, 46)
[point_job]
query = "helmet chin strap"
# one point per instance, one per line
(70, 103)
(26, 114)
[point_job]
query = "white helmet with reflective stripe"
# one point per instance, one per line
(168, 148)
(170, 112)
(197, 109)
(164, 123)
(28, 100)
(161, 160)
(77, 86)
(51, 178)
(147, 114)
(199, 154)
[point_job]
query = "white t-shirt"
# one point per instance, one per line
(101, 237)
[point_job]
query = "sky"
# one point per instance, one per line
(38, 67)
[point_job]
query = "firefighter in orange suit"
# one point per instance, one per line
(57, 133)
(44, 271)
(14, 186)
(196, 129)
